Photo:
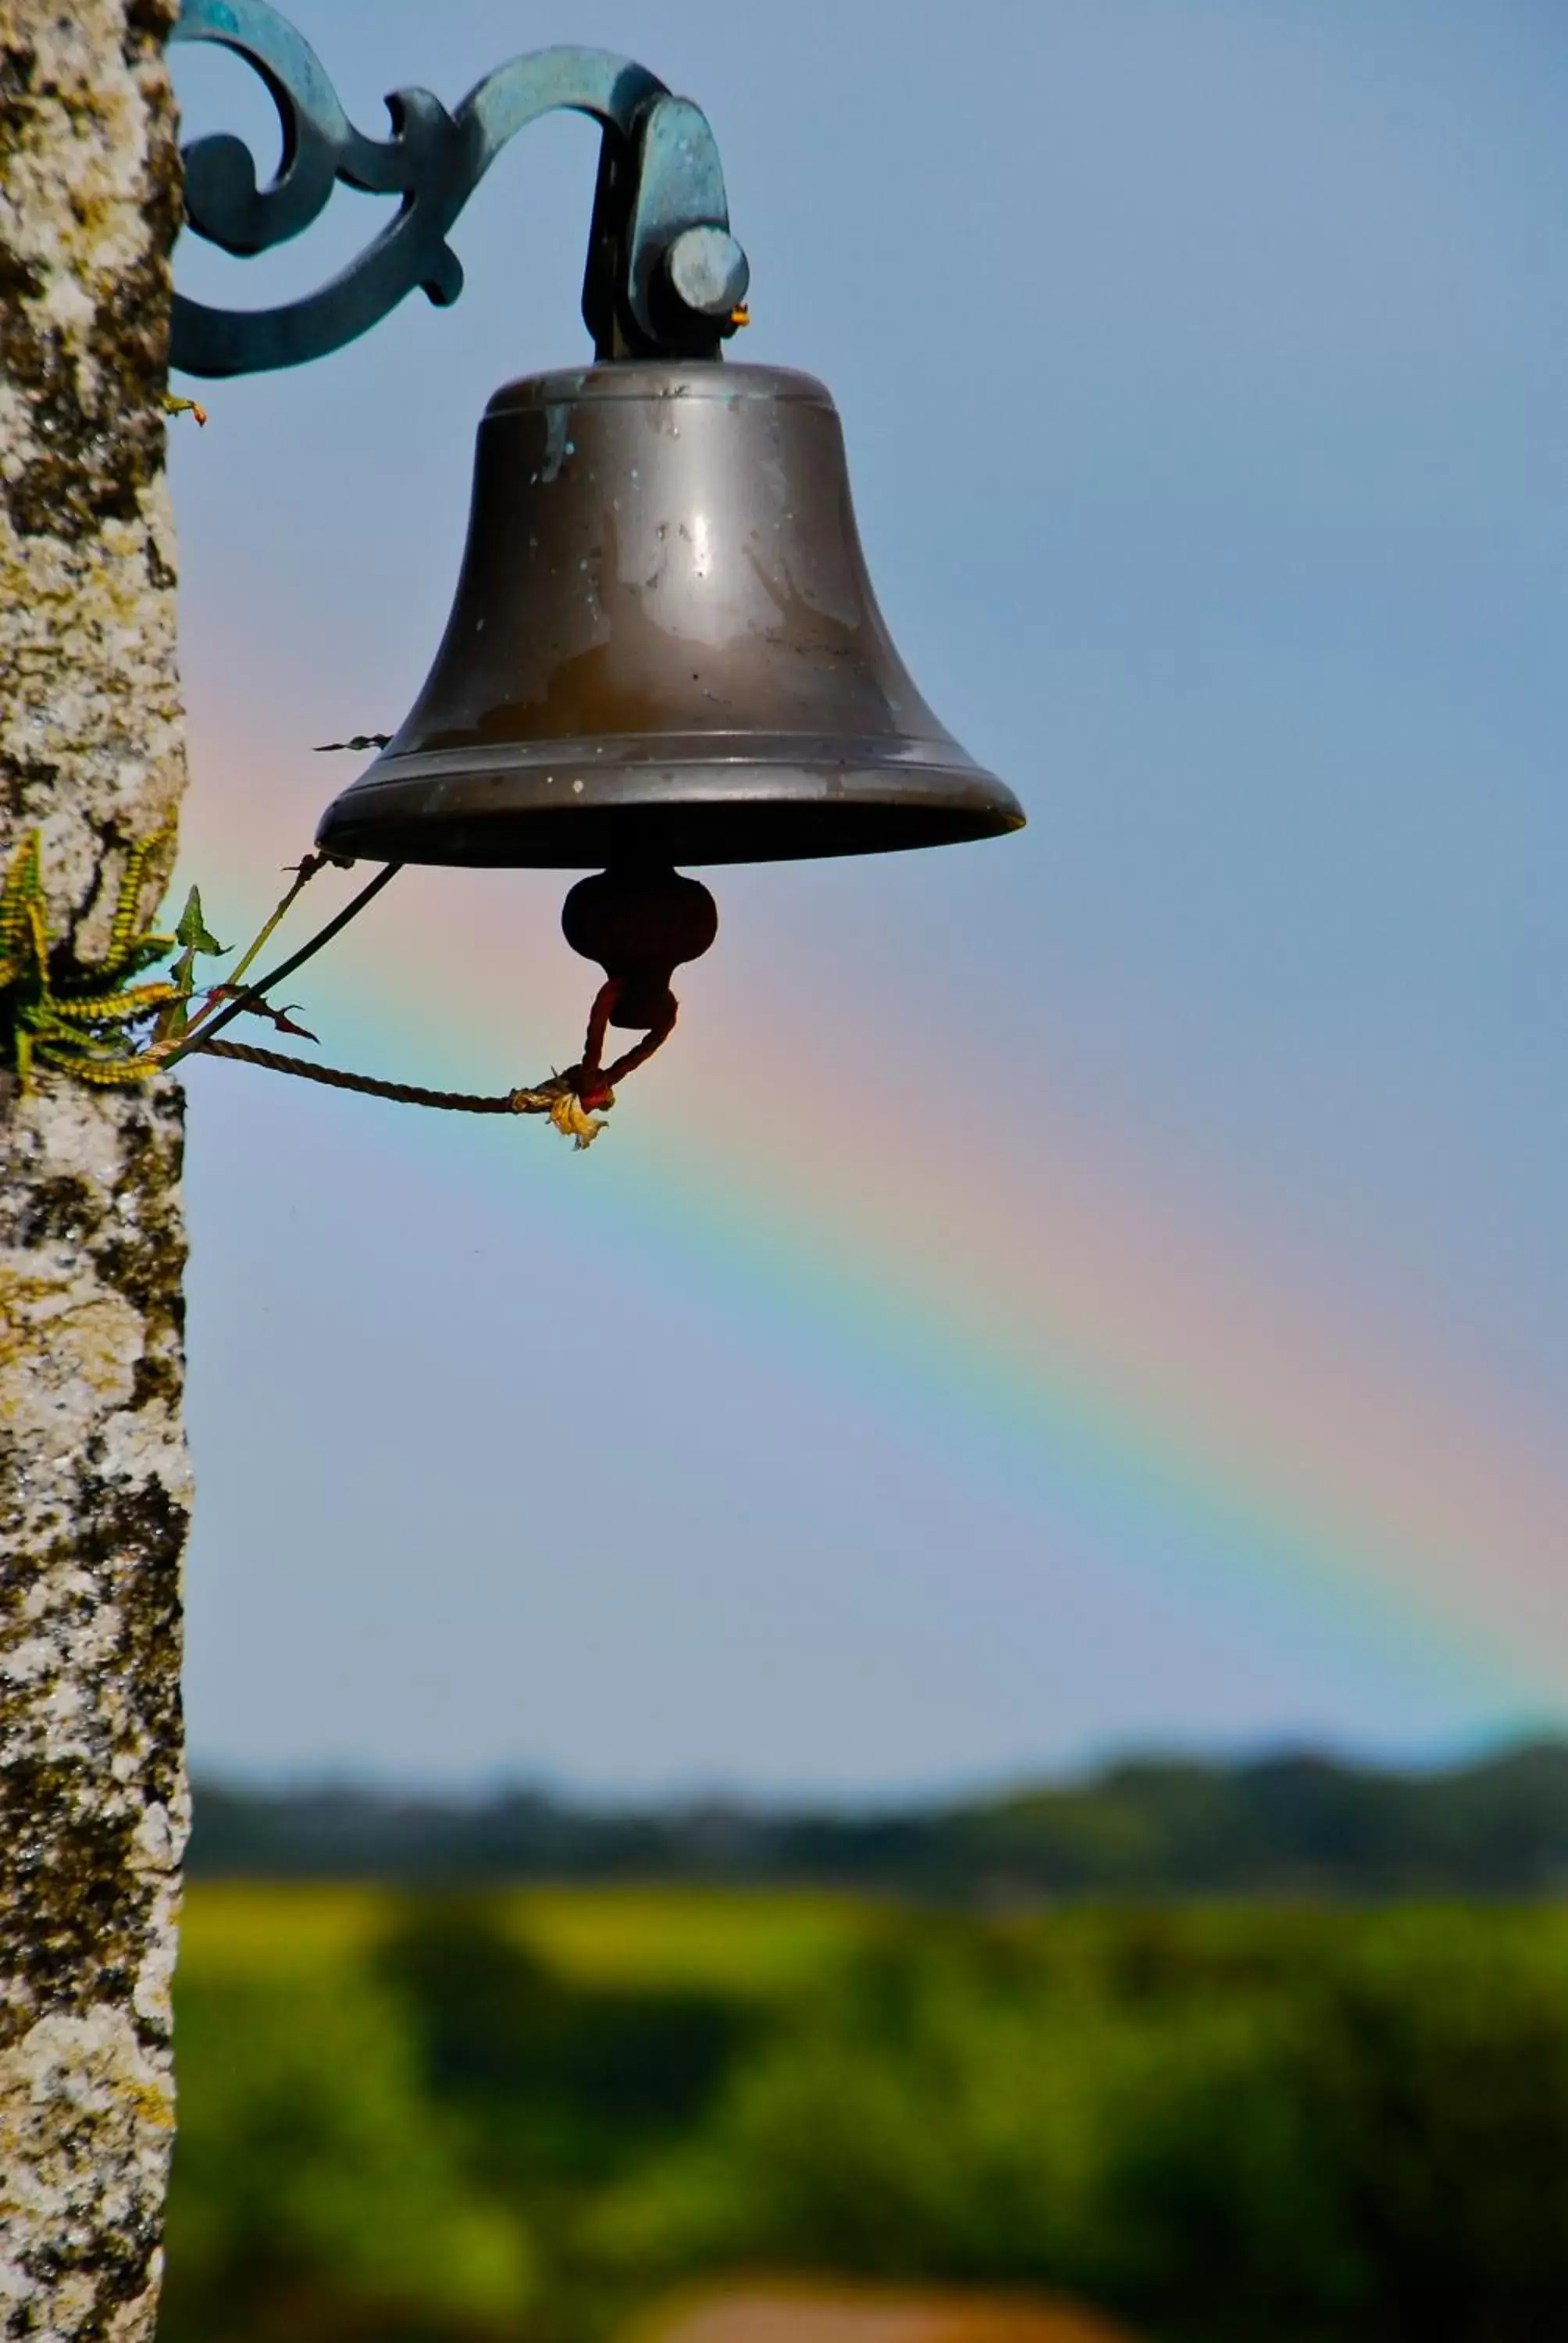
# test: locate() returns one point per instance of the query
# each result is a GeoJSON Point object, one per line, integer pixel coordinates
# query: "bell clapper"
{"type": "Point", "coordinates": [640, 922]}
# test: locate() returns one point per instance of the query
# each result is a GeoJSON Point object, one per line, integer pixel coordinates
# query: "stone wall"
{"type": "Point", "coordinates": [94, 1481]}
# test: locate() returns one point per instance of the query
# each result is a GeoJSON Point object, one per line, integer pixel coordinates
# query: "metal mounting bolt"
{"type": "Point", "coordinates": [707, 270]}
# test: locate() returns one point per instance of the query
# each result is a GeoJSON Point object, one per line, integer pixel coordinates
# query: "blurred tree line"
{"type": "Point", "coordinates": [1219, 2121]}
{"type": "Point", "coordinates": [1288, 1824]}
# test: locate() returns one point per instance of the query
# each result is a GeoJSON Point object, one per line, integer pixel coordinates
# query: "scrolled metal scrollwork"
{"type": "Point", "coordinates": [433, 161]}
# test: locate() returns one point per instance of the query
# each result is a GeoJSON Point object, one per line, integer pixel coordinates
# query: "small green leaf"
{"type": "Point", "coordinates": [192, 930]}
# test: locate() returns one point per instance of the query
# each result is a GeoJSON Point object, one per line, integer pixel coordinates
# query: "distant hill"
{"type": "Point", "coordinates": [1288, 1824]}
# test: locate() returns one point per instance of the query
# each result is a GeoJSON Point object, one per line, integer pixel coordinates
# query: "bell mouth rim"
{"type": "Point", "coordinates": [552, 810]}
{"type": "Point", "coordinates": [568, 841]}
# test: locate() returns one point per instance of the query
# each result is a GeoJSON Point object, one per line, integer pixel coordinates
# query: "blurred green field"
{"type": "Point", "coordinates": [726, 1940]}
{"type": "Point", "coordinates": [533, 2114]}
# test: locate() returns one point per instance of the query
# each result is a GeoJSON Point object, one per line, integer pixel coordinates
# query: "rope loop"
{"type": "Point", "coordinates": [593, 1083]}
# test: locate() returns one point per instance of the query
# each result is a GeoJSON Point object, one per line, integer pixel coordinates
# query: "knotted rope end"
{"type": "Point", "coordinates": [572, 1118]}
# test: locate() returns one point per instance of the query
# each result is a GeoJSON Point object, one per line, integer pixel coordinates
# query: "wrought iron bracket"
{"type": "Point", "coordinates": [664, 276]}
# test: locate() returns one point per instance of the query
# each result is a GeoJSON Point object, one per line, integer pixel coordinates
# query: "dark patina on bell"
{"type": "Point", "coordinates": [665, 647]}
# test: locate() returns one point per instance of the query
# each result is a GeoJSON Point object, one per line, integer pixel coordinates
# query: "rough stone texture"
{"type": "Point", "coordinates": [93, 1489]}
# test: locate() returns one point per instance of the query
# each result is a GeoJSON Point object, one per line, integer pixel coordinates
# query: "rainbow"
{"type": "Point", "coordinates": [992, 1273]}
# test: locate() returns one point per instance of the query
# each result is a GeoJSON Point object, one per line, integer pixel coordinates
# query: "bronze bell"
{"type": "Point", "coordinates": [665, 647]}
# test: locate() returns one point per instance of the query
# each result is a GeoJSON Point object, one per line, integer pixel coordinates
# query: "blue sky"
{"type": "Point", "coordinates": [1204, 370]}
